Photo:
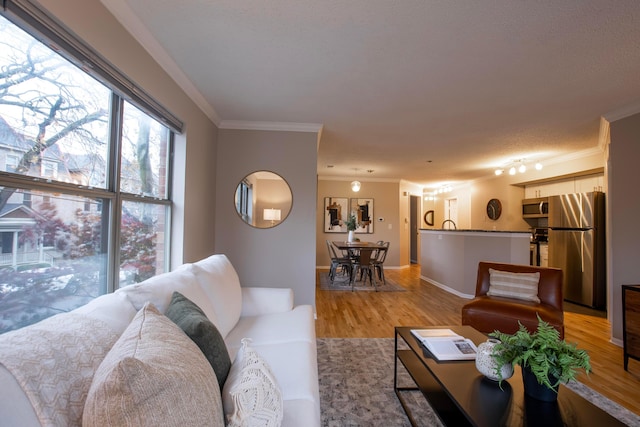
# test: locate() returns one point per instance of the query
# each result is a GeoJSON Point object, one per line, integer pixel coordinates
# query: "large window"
{"type": "Point", "coordinates": [84, 195]}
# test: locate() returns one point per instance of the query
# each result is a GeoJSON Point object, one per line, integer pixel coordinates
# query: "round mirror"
{"type": "Point", "coordinates": [263, 199]}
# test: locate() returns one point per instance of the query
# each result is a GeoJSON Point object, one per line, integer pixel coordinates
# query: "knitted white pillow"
{"type": "Point", "coordinates": [251, 395]}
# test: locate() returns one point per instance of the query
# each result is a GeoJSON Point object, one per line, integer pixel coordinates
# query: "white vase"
{"type": "Point", "coordinates": [486, 364]}
{"type": "Point", "coordinates": [350, 237]}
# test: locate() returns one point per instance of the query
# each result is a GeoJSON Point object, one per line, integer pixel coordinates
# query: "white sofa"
{"type": "Point", "coordinates": [46, 368]}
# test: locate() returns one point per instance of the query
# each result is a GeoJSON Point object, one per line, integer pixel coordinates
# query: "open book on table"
{"type": "Point", "coordinates": [444, 344]}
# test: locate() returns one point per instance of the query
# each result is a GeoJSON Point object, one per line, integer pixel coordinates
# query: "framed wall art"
{"type": "Point", "coordinates": [336, 210]}
{"type": "Point", "coordinates": [363, 208]}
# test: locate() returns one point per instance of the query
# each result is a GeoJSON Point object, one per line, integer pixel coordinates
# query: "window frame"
{"type": "Point", "coordinates": [46, 29]}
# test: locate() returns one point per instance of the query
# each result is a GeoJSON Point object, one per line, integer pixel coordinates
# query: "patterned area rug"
{"type": "Point", "coordinates": [341, 283]}
{"type": "Point", "coordinates": [356, 387]}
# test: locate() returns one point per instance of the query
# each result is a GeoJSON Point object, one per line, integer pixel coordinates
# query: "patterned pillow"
{"type": "Point", "coordinates": [153, 375]}
{"type": "Point", "coordinates": [251, 396]}
{"type": "Point", "coordinates": [522, 286]}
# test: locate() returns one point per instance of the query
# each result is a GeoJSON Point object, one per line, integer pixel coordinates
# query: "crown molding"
{"type": "Point", "coordinates": [573, 156]}
{"type": "Point", "coordinates": [272, 126]}
{"type": "Point", "coordinates": [621, 113]}
{"type": "Point", "coordinates": [130, 21]}
{"type": "Point", "coordinates": [359, 178]}
{"type": "Point", "coordinates": [604, 136]}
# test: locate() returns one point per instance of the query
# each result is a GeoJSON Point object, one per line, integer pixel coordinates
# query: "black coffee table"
{"type": "Point", "coordinates": [460, 395]}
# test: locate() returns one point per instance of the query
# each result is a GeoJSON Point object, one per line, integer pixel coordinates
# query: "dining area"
{"type": "Point", "coordinates": [357, 264]}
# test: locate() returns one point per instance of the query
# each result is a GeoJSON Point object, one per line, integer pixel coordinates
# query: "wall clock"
{"type": "Point", "coordinates": [494, 209]}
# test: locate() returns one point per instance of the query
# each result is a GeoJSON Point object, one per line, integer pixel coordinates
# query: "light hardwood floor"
{"type": "Point", "coordinates": [374, 315]}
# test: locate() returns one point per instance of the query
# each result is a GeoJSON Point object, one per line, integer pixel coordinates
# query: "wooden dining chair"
{"type": "Point", "coordinates": [364, 266]}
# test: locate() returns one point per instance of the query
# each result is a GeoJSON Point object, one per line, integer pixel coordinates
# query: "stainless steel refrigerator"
{"type": "Point", "coordinates": [577, 246]}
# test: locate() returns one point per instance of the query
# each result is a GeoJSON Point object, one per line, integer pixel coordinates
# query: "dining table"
{"type": "Point", "coordinates": [353, 249]}
{"type": "Point", "coordinates": [343, 245]}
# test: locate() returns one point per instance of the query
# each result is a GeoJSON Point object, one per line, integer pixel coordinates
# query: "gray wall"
{"type": "Point", "coordinates": [285, 255]}
{"type": "Point", "coordinates": [195, 150]}
{"type": "Point", "coordinates": [623, 209]}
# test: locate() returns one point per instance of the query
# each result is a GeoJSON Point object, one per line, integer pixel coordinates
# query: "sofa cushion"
{"type": "Point", "coordinates": [251, 395]}
{"type": "Point", "coordinates": [523, 286]}
{"type": "Point", "coordinates": [294, 365]}
{"type": "Point", "coordinates": [153, 375]}
{"type": "Point", "coordinates": [115, 310]}
{"type": "Point", "coordinates": [186, 314]}
{"type": "Point", "coordinates": [158, 290]}
{"type": "Point", "coordinates": [276, 328]}
{"type": "Point", "coordinates": [488, 314]}
{"type": "Point", "coordinates": [221, 284]}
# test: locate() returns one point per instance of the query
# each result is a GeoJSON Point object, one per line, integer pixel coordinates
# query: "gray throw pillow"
{"type": "Point", "coordinates": [192, 320]}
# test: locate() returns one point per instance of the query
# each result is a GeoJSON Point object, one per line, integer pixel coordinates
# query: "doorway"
{"type": "Point", "coordinates": [414, 221]}
{"type": "Point", "coordinates": [451, 212]}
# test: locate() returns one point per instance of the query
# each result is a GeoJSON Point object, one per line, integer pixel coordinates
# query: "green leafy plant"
{"type": "Point", "coordinates": [552, 360]}
{"type": "Point", "coordinates": [351, 222]}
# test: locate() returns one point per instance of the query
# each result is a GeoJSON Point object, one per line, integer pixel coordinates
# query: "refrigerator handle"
{"type": "Point", "coordinates": [582, 252]}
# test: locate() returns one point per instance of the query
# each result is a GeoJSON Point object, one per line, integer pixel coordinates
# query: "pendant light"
{"type": "Point", "coordinates": [355, 184]}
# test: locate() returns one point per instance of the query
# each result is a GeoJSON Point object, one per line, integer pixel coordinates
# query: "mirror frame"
{"type": "Point", "coordinates": [283, 206]}
{"type": "Point", "coordinates": [494, 209]}
{"type": "Point", "coordinates": [428, 217]}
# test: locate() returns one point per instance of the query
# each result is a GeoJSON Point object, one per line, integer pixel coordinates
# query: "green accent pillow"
{"type": "Point", "coordinates": [192, 320]}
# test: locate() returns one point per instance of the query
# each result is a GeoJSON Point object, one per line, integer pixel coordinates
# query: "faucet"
{"type": "Point", "coordinates": [451, 221]}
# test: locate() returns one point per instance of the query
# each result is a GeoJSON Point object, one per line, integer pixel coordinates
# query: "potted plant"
{"type": "Point", "coordinates": [546, 360]}
{"type": "Point", "coordinates": [352, 224]}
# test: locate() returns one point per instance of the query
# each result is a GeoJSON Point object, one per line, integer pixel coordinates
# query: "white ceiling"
{"type": "Point", "coordinates": [424, 90]}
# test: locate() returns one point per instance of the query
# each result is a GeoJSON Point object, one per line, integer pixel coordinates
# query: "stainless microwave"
{"type": "Point", "coordinates": [535, 208]}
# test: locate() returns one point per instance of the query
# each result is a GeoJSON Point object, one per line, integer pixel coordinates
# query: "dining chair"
{"type": "Point", "coordinates": [364, 266]}
{"type": "Point", "coordinates": [378, 262]}
{"type": "Point", "coordinates": [337, 262]}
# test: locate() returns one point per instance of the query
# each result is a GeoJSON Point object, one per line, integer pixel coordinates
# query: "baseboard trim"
{"type": "Point", "coordinates": [447, 288]}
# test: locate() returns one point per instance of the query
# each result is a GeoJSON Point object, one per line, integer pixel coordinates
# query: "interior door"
{"type": "Point", "coordinates": [451, 210]}
{"type": "Point", "coordinates": [415, 221]}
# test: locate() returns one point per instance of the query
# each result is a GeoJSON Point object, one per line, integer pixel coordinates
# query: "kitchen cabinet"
{"type": "Point", "coordinates": [550, 188]}
{"type": "Point", "coordinates": [631, 322]}
{"type": "Point", "coordinates": [583, 184]}
{"type": "Point", "coordinates": [590, 183]}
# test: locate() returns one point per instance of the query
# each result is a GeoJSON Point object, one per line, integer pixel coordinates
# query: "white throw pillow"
{"type": "Point", "coordinates": [154, 375]}
{"type": "Point", "coordinates": [220, 282]}
{"type": "Point", "coordinates": [251, 395]}
{"type": "Point", "coordinates": [506, 284]}
{"type": "Point", "coordinates": [159, 289]}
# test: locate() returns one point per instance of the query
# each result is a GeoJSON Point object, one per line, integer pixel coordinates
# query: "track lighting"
{"type": "Point", "coordinates": [516, 166]}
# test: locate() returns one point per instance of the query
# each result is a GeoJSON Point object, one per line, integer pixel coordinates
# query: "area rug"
{"type": "Point", "coordinates": [356, 387]}
{"type": "Point", "coordinates": [341, 283]}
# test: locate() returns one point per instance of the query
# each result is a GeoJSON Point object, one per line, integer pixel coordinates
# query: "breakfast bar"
{"type": "Point", "coordinates": [449, 258]}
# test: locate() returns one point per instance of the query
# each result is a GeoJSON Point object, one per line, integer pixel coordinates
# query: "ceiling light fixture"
{"type": "Point", "coordinates": [516, 166]}
{"type": "Point", "coordinates": [355, 184]}
{"type": "Point", "coordinates": [432, 195]}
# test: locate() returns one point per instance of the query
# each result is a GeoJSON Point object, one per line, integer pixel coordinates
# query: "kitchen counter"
{"type": "Point", "coordinates": [471, 230]}
{"type": "Point", "coordinates": [449, 258]}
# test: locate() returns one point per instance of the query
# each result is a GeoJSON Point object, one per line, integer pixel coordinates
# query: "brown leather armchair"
{"type": "Point", "coordinates": [489, 313]}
